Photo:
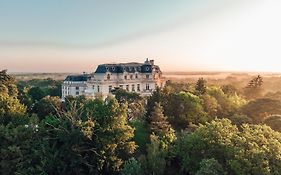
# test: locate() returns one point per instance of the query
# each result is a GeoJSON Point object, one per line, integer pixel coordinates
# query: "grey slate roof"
{"type": "Point", "coordinates": [124, 67]}
{"type": "Point", "coordinates": [83, 77]}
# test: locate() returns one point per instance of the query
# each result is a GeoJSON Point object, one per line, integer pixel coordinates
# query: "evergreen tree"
{"type": "Point", "coordinates": [200, 86]}
{"type": "Point", "coordinates": [160, 126]}
{"type": "Point", "coordinates": [254, 88]}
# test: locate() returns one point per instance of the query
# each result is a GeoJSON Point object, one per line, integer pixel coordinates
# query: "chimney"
{"type": "Point", "coordinates": [152, 62]}
{"type": "Point", "coordinates": [146, 61]}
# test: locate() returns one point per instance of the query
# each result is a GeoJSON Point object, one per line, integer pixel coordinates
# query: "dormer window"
{"type": "Point", "coordinates": [113, 68]}
{"type": "Point", "coordinates": [130, 69]}
{"type": "Point", "coordinates": [107, 68]}
{"type": "Point", "coordinates": [147, 68]}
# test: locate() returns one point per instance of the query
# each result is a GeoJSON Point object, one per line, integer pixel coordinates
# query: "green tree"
{"type": "Point", "coordinates": [47, 106]}
{"type": "Point", "coordinates": [156, 97]}
{"type": "Point", "coordinates": [136, 104]}
{"type": "Point", "coordinates": [10, 106]}
{"type": "Point", "coordinates": [23, 96]}
{"type": "Point", "coordinates": [18, 147]}
{"type": "Point", "coordinates": [113, 135]}
{"type": "Point", "coordinates": [274, 121]}
{"type": "Point", "coordinates": [132, 167]}
{"type": "Point", "coordinates": [239, 119]}
{"type": "Point", "coordinates": [254, 88]}
{"type": "Point", "coordinates": [258, 109]}
{"type": "Point", "coordinates": [229, 89]}
{"type": "Point", "coordinates": [184, 108]}
{"type": "Point", "coordinates": [7, 83]}
{"type": "Point", "coordinates": [200, 86]}
{"type": "Point", "coordinates": [210, 105]}
{"type": "Point", "coordinates": [228, 105]}
{"type": "Point", "coordinates": [160, 126]}
{"type": "Point", "coordinates": [154, 162]}
{"type": "Point", "coordinates": [36, 93]}
{"type": "Point", "coordinates": [252, 149]}
{"type": "Point", "coordinates": [210, 167]}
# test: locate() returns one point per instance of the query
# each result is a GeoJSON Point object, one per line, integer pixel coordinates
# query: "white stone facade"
{"type": "Point", "coordinates": [141, 78]}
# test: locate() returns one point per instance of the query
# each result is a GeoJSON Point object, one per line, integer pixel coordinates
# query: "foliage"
{"type": "Point", "coordinates": [160, 126]}
{"type": "Point", "coordinates": [229, 89]}
{"type": "Point", "coordinates": [113, 135]}
{"type": "Point", "coordinates": [10, 106]}
{"type": "Point", "coordinates": [24, 97]}
{"type": "Point", "coordinates": [254, 149]}
{"type": "Point", "coordinates": [36, 93]}
{"type": "Point", "coordinates": [7, 83]}
{"type": "Point", "coordinates": [210, 167]}
{"type": "Point", "coordinates": [200, 87]}
{"type": "Point", "coordinates": [154, 162]}
{"type": "Point", "coordinates": [258, 109]}
{"type": "Point", "coordinates": [239, 119]}
{"type": "Point", "coordinates": [254, 88]}
{"type": "Point", "coordinates": [210, 105]}
{"type": "Point", "coordinates": [184, 108]}
{"type": "Point", "coordinates": [132, 167]}
{"type": "Point", "coordinates": [47, 106]}
{"type": "Point", "coordinates": [141, 134]}
{"type": "Point", "coordinates": [18, 148]}
{"type": "Point", "coordinates": [156, 97]}
{"type": "Point", "coordinates": [228, 105]}
{"type": "Point", "coordinates": [136, 108]}
{"type": "Point", "coordinates": [274, 121]}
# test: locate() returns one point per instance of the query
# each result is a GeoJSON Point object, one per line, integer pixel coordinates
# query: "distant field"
{"type": "Point", "coordinates": [215, 75]}
{"type": "Point", "coordinates": [168, 75]}
{"type": "Point", "coordinates": [30, 76]}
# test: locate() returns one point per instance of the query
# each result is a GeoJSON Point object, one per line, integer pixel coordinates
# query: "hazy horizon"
{"type": "Point", "coordinates": [186, 36]}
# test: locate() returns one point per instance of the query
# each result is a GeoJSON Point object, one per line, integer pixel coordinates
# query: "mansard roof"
{"type": "Point", "coordinates": [125, 67]}
{"type": "Point", "coordinates": [83, 77]}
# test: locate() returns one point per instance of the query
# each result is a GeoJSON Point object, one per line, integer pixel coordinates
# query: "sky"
{"type": "Point", "coordinates": [181, 35]}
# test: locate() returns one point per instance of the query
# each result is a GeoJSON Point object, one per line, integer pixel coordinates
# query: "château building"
{"type": "Point", "coordinates": [142, 78]}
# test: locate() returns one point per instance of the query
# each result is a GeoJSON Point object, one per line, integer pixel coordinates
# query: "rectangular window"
{"type": "Point", "coordinates": [127, 87]}
{"type": "Point", "coordinates": [136, 76]}
{"type": "Point", "coordinates": [138, 87]}
{"type": "Point", "coordinates": [121, 86]}
{"type": "Point", "coordinates": [109, 88]}
{"type": "Point", "coordinates": [125, 77]}
{"type": "Point", "coordinates": [131, 77]}
{"type": "Point", "coordinates": [133, 87]}
{"type": "Point", "coordinates": [147, 76]}
{"type": "Point", "coordinates": [98, 88]}
{"type": "Point", "coordinates": [93, 87]}
{"type": "Point", "coordinates": [77, 93]}
{"type": "Point", "coordinates": [147, 87]}
{"type": "Point", "coordinates": [77, 88]}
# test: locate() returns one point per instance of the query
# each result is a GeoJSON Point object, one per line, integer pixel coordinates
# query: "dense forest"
{"type": "Point", "coordinates": [185, 128]}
